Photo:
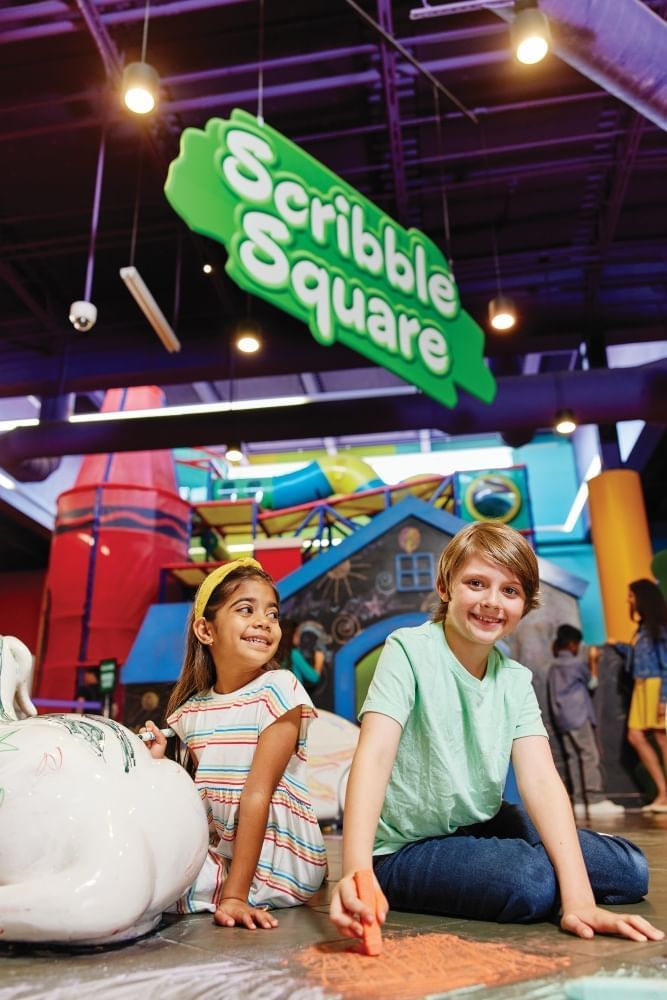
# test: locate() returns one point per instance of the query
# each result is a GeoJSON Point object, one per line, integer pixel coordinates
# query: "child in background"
{"type": "Point", "coordinates": [294, 659]}
{"type": "Point", "coordinates": [444, 713]}
{"type": "Point", "coordinates": [244, 725]}
{"type": "Point", "coordinates": [570, 682]}
{"type": "Point", "coordinates": [646, 658]}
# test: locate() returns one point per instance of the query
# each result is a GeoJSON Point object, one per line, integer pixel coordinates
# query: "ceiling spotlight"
{"type": "Point", "coordinates": [529, 32]}
{"type": "Point", "coordinates": [207, 268]}
{"type": "Point", "coordinates": [140, 88]}
{"type": "Point", "coordinates": [502, 313]}
{"type": "Point", "coordinates": [248, 335]}
{"type": "Point", "coordinates": [248, 343]}
{"type": "Point", "coordinates": [234, 454]}
{"type": "Point", "coordinates": [565, 422]}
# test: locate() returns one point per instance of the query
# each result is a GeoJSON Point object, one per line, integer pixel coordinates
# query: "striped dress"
{"type": "Point", "coordinates": [222, 730]}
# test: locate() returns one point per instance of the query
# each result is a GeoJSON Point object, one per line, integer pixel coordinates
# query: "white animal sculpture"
{"type": "Point", "coordinates": [96, 837]}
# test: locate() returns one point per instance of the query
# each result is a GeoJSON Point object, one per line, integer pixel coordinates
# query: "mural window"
{"type": "Point", "coordinates": [415, 571]}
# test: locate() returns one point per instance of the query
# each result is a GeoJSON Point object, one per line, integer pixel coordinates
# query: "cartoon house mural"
{"type": "Point", "coordinates": [381, 578]}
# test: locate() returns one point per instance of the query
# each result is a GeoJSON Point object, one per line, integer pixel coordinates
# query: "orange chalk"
{"type": "Point", "coordinates": [372, 940]}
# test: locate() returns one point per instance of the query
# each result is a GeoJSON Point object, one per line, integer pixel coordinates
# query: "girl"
{"type": "Point", "coordinates": [244, 726]}
{"type": "Point", "coordinates": [647, 660]}
{"type": "Point", "coordinates": [444, 712]}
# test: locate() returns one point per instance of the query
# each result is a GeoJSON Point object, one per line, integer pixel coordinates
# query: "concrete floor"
{"type": "Point", "coordinates": [190, 958]}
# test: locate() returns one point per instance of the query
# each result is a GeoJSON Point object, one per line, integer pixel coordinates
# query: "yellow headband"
{"type": "Point", "coordinates": [207, 587]}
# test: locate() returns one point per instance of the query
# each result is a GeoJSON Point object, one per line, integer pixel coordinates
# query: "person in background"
{"type": "Point", "coordinates": [88, 690]}
{"type": "Point", "coordinates": [570, 681]}
{"type": "Point", "coordinates": [646, 659]}
{"type": "Point", "coordinates": [292, 657]}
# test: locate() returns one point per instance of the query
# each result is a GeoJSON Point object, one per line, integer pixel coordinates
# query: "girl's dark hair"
{"type": "Point", "coordinates": [288, 627]}
{"type": "Point", "coordinates": [198, 671]}
{"type": "Point", "coordinates": [650, 606]}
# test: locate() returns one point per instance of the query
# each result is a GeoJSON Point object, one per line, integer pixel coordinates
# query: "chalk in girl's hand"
{"type": "Point", "coordinates": [147, 737]}
{"type": "Point", "coordinates": [371, 943]}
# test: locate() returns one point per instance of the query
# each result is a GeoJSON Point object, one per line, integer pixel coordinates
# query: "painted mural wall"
{"type": "Point", "coordinates": [392, 575]}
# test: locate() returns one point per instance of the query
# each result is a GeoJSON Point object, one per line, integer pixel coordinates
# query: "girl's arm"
{"type": "Point", "coordinates": [275, 746]}
{"type": "Point", "coordinates": [549, 808]}
{"type": "Point", "coordinates": [371, 767]}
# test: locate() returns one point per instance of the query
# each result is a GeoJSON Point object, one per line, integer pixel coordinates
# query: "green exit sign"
{"type": "Point", "coordinates": [107, 670]}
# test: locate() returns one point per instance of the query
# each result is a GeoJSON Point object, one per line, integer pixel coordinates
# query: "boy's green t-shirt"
{"type": "Point", "coordinates": [455, 748]}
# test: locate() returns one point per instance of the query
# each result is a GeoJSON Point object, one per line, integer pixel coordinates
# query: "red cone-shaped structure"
{"type": "Point", "coordinates": [119, 525]}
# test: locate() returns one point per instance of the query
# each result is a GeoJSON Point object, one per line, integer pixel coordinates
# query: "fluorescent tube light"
{"type": "Point", "coordinates": [10, 425]}
{"type": "Point", "coordinates": [150, 308]}
{"type": "Point", "coordinates": [578, 503]}
{"type": "Point", "coordinates": [187, 408]}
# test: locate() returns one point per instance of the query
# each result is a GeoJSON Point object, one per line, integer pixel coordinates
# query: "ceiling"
{"type": "Point", "coordinates": [563, 178]}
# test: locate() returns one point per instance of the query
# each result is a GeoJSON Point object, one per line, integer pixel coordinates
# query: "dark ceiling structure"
{"type": "Point", "coordinates": [557, 171]}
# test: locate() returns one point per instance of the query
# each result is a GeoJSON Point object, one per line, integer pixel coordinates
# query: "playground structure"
{"type": "Point", "coordinates": [335, 495]}
{"type": "Point", "coordinates": [327, 499]}
{"type": "Point", "coordinates": [123, 539]}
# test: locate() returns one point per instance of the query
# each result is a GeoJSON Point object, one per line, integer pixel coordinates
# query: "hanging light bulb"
{"type": "Point", "coordinates": [234, 454]}
{"type": "Point", "coordinates": [248, 336]}
{"type": "Point", "coordinates": [502, 313]}
{"type": "Point", "coordinates": [140, 88]}
{"type": "Point", "coordinates": [530, 33]}
{"type": "Point", "coordinates": [248, 343]}
{"type": "Point", "coordinates": [565, 422]}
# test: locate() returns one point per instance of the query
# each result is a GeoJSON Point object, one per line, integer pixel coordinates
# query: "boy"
{"type": "Point", "coordinates": [444, 713]}
{"type": "Point", "coordinates": [570, 682]}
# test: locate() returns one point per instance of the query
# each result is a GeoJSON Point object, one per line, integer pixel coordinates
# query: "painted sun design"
{"type": "Point", "coordinates": [339, 579]}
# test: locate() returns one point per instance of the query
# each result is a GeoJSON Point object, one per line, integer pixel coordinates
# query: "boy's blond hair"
{"type": "Point", "coordinates": [498, 543]}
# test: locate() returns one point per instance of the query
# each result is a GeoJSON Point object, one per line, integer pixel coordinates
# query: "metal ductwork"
{"type": "Point", "coordinates": [599, 396]}
{"type": "Point", "coordinates": [35, 469]}
{"type": "Point", "coordinates": [620, 45]}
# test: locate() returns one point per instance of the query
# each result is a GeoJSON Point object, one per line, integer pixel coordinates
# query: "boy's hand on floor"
{"type": "Point", "coordinates": [231, 912]}
{"type": "Point", "coordinates": [348, 912]}
{"type": "Point", "coordinates": [587, 921]}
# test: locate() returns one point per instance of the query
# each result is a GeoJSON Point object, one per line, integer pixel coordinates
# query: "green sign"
{"type": "Point", "coordinates": [301, 238]}
{"type": "Point", "coordinates": [107, 675]}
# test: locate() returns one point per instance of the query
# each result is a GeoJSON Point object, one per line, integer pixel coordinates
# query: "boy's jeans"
{"type": "Point", "coordinates": [499, 870]}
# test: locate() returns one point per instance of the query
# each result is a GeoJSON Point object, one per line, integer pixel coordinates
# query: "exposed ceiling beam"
{"type": "Point", "coordinates": [389, 86]}
{"type": "Point", "coordinates": [623, 53]}
{"type": "Point", "coordinates": [529, 402]}
{"type": "Point", "coordinates": [90, 368]}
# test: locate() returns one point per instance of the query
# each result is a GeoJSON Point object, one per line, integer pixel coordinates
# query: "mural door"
{"type": "Point", "coordinates": [355, 663]}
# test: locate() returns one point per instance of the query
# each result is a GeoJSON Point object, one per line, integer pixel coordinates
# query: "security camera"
{"type": "Point", "coordinates": [82, 315]}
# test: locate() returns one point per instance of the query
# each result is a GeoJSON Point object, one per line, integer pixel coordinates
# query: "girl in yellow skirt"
{"type": "Point", "coordinates": [647, 658]}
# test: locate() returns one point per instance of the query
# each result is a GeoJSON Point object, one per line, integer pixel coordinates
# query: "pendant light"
{"type": "Point", "coordinates": [530, 32]}
{"type": "Point", "coordinates": [141, 82]}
